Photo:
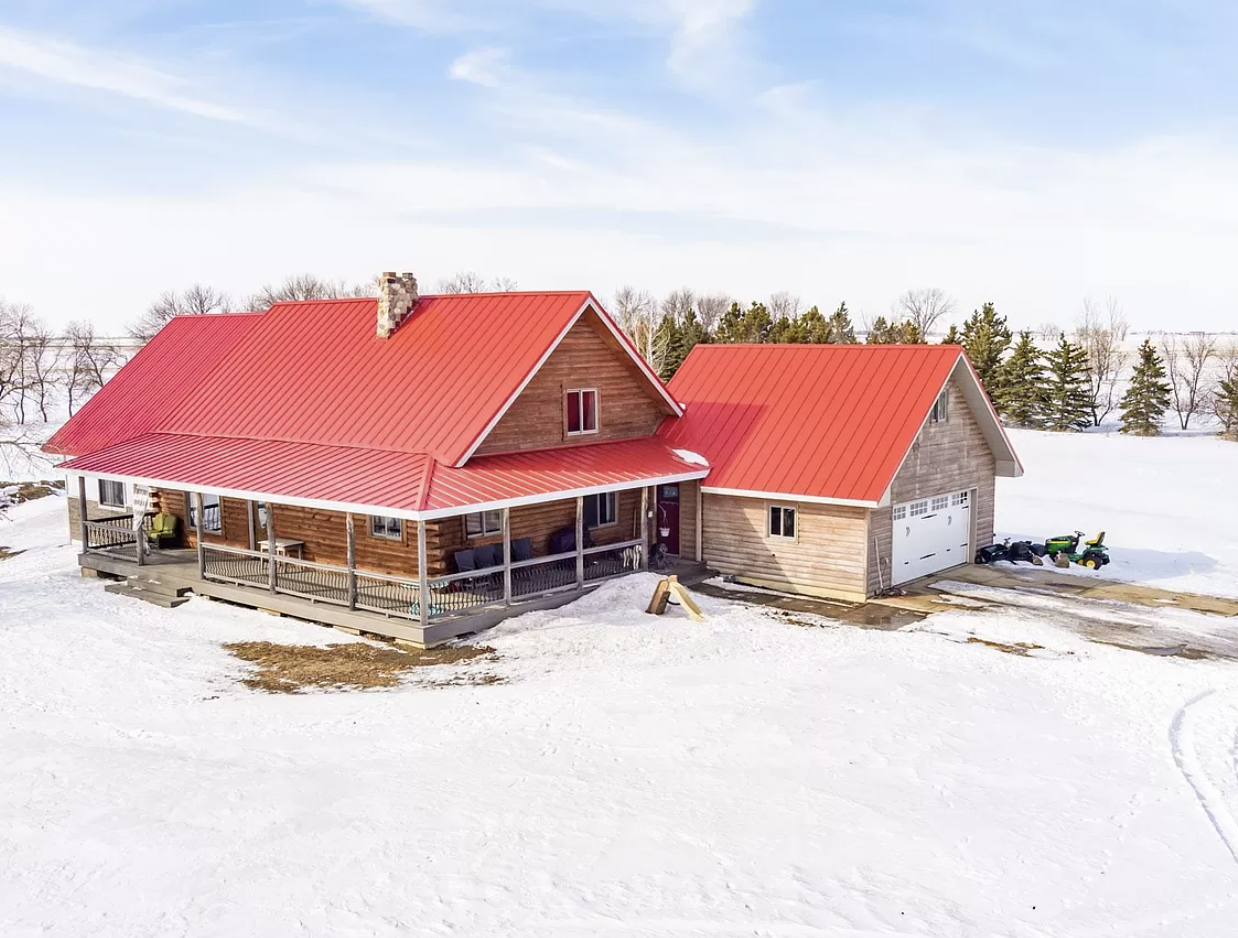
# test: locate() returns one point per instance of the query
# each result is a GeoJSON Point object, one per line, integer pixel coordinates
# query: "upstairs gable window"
{"type": "Point", "coordinates": [582, 411]}
{"type": "Point", "coordinates": [941, 409]}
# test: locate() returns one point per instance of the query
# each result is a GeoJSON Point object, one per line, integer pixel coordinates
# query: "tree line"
{"type": "Point", "coordinates": [1077, 380]}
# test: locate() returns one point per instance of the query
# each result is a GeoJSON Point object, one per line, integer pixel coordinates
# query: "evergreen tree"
{"type": "Point", "coordinates": [787, 330]}
{"type": "Point", "coordinates": [676, 339]}
{"type": "Point", "coordinates": [1068, 397]}
{"type": "Point", "coordinates": [986, 337]}
{"type": "Point", "coordinates": [1226, 406]}
{"type": "Point", "coordinates": [840, 330]}
{"type": "Point", "coordinates": [1147, 399]}
{"type": "Point", "coordinates": [952, 337]}
{"type": "Point", "coordinates": [1022, 401]}
{"type": "Point", "coordinates": [814, 327]}
{"type": "Point", "coordinates": [884, 332]}
{"type": "Point", "coordinates": [880, 332]}
{"type": "Point", "coordinates": [745, 325]}
{"type": "Point", "coordinates": [730, 325]}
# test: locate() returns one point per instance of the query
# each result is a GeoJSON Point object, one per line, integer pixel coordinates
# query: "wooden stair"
{"type": "Point", "coordinates": [151, 588]}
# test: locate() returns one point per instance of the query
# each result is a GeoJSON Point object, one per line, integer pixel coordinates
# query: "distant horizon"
{"type": "Point", "coordinates": [1026, 154]}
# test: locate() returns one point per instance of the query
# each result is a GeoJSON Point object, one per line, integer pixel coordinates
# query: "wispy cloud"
{"type": "Point", "coordinates": [480, 66]}
{"type": "Point", "coordinates": [108, 71]}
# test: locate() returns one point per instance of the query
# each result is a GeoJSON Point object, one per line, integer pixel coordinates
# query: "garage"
{"type": "Point", "coordinates": [931, 534]}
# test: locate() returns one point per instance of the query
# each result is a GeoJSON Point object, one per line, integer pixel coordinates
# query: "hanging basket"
{"type": "Point", "coordinates": [664, 532]}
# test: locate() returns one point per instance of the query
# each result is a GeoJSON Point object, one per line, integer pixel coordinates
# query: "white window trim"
{"type": "Point", "coordinates": [597, 410]}
{"type": "Point", "coordinates": [485, 531]}
{"type": "Point", "coordinates": [385, 534]}
{"type": "Point", "coordinates": [608, 495]}
{"type": "Point", "coordinates": [124, 495]}
{"type": "Point", "coordinates": [782, 537]}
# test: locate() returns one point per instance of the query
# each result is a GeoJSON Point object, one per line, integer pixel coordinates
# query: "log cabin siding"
{"type": "Point", "coordinates": [687, 519]}
{"type": "Point", "coordinates": [946, 457]}
{"type": "Point", "coordinates": [827, 557]}
{"type": "Point", "coordinates": [588, 357]}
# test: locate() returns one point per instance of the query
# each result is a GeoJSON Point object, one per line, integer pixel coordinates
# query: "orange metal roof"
{"type": "Point", "coordinates": [817, 421]}
{"type": "Point", "coordinates": [159, 377]}
{"type": "Point", "coordinates": [408, 484]}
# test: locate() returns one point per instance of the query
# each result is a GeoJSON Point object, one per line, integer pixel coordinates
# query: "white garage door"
{"type": "Point", "coordinates": [931, 535]}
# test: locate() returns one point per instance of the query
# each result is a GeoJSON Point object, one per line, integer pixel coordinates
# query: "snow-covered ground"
{"type": "Point", "coordinates": [1168, 505]}
{"type": "Point", "coordinates": [632, 775]}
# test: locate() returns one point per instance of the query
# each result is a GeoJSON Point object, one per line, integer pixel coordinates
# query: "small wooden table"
{"type": "Point", "coordinates": [284, 547]}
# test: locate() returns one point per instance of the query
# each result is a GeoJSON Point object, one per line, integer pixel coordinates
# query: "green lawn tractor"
{"type": "Point", "coordinates": [1064, 550]}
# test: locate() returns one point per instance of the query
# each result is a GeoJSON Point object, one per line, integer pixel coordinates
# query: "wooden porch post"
{"type": "Point", "coordinates": [507, 556]}
{"type": "Point", "coordinates": [700, 522]}
{"type": "Point", "coordinates": [271, 571]}
{"type": "Point", "coordinates": [197, 514]}
{"type": "Point", "coordinates": [83, 529]}
{"type": "Point", "coordinates": [644, 527]}
{"type": "Point", "coordinates": [352, 560]}
{"type": "Point", "coordinates": [580, 542]}
{"type": "Point", "coordinates": [423, 582]}
{"type": "Point", "coordinates": [139, 529]}
{"type": "Point", "coordinates": [251, 522]}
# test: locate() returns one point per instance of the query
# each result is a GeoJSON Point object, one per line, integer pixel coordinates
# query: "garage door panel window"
{"type": "Point", "coordinates": [941, 502]}
{"type": "Point", "coordinates": [900, 513]}
{"type": "Point", "coordinates": [919, 508]}
{"type": "Point", "coordinates": [959, 500]}
{"type": "Point", "coordinates": [930, 535]}
{"type": "Point", "coordinates": [782, 522]}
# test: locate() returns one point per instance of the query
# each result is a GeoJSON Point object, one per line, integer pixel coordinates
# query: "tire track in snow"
{"type": "Point", "coordinates": [1182, 739]}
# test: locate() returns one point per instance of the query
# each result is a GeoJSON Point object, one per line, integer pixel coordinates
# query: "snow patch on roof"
{"type": "Point", "coordinates": [691, 458]}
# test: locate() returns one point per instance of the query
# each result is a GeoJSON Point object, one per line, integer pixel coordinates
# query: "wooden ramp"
{"type": "Point", "coordinates": [668, 587]}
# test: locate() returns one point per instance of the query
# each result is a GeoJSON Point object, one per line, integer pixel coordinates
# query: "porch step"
{"type": "Point", "coordinates": [160, 584]}
{"type": "Point", "coordinates": [163, 600]}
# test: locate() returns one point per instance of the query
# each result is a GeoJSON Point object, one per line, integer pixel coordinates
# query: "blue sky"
{"type": "Point", "coordinates": [1032, 153]}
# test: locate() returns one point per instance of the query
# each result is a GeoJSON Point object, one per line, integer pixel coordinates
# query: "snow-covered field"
{"type": "Point", "coordinates": [1168, 505]}
{"type": "Point", "coordinates": [632, 775]}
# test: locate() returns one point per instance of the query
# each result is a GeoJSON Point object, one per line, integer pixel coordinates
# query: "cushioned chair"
{"type": "Point", "coordinates": [522, 550]}
{"type": "Point", "coordinates": [466, 560]}
{"type": "Point", "coordinates": [489, 555]}
{"type": "Point", "coordinates": [162, 531]}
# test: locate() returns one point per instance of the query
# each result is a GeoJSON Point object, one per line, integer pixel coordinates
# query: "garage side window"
{"type": "Point", "coordinates": [782, 521]}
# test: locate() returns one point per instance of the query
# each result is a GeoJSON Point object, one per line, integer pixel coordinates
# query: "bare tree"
{"type": "Point", "coordinates": [923, 308]}
{"type": "Point", "coordinates": [40, 360]}
{"type": "Point", "coordinates": [783, 304]}
{"type": "Point", "coordinates": [91, 361]}
{"type": "Point", "coordinates": [1048, 333]}
{"type": "Point", "coordinates": [196, 300]}
{"type": "Point", "coordinates": [11, 317]}
{"type": "Point", "coordinates": [1186, 363]}
{"type": "Point", "coordinates": [301, 287]}
{"type": "Point", "coordinates": [469, 281]}
{"type": "Point", "coordinates": [679, 303]}
{"type": "Point", "coordinates": [710, 309]}
{"type": "Point", "coordinates": [1102, 333]}
{"type": "Point", "coordinates": [632, 309]}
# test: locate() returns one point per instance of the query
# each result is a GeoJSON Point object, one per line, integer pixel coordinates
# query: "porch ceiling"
{"type": "Point", "coordinates": [407, 485]}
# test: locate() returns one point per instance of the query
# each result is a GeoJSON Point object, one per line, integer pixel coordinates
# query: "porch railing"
{"type": "Point", "coordinates": [114, 535]}
{"type": "Point", "coordinates": [399, 596]}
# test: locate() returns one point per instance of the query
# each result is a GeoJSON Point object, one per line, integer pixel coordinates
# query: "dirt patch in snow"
{"type": "Point", "coordinates": [289, 669]}
{"type": "Point", "coordinates": [5, 553]}
{"type": "Point", "coordinates": [1022, 649]}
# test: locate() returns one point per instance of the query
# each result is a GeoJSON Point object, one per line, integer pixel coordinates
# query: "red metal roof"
{"type": "Point", "coordinates": [403, 483]}
{"type": "Point", "coordinates": [315, 372]}
{"type": "Point", "coordinates": [158, 378]}
{"type": "Point", "coordinates": [817, 421]}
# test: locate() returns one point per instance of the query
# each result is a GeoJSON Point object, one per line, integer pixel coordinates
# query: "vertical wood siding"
{"type": "Point", "coordinates": [586, 358]}
{"type": "Point", "coordinates": [827, 558]}
{"type": "Point", "coordinates": [946, 457]}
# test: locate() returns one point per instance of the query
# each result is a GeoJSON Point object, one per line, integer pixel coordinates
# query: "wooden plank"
{"type": "Point", "coordinates": [82, 513]}
{"type": "Point", "coordinates": [251, 522]}
{"type": "Point", "coordinates": [197, 508]}
{"type": "Point", "coordinates": [644, 527]}
{"type": "Point", "coordinates": [580, 542]}
{"type": "Point", "coordinates": [351, 559]}
{"type": "Point", "coordinates": [507, 556]}
{"type": "Point", "coordinates": [272, 565]}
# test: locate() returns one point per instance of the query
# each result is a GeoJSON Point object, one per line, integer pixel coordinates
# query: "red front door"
{"type": "Point", "coordinates": [668, 517]}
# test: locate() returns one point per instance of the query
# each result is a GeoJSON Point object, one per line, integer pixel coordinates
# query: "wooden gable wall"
{"type": "Point", "coordinates": [588, 357]}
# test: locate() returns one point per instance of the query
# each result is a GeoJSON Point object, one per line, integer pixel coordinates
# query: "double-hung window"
{"type": "Point", "coordinates": [389, 529]}
{"type": "Point", "coordinates": [111, 493]}
{"type": "Point", "coordinates": [483, 523]}
{"type": "Point", "coordinates": [782, 521]}
{"type": "Point", "coordinates": [581, 412]}
{"type": "Point", "coordinates": [601, 510]}
{"type": "Point", "coordinates": [212, 517]}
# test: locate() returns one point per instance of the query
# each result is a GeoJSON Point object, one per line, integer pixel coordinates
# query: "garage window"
{"type": "Point", "coordinates": [941, 503]}
{"type": "Point", "coordinates": [782, 521]}
{"type": "Point", "coordinates": [900, 513]}
{"type": "Point", "coordinates": [959, 499]}
{"type": "Point", "coordinates": [919, 508]}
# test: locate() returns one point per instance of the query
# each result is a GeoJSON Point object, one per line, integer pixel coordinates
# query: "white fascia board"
{"type": "Point", "coordinates": [786, 497]}
{"type": "Point", "coordinates": [619, 337]}
{"type": "Point", "coordinates": [563, 495]}
{"type": "Point", "coordinates": [406, 514]}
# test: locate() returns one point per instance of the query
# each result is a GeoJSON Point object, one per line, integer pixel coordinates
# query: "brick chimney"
{"type": "Point", "coordinates": [397, 295]}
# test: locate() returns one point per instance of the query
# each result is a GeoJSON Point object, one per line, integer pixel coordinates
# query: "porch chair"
{"type": "Point", "coordinates": [162, 530]}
